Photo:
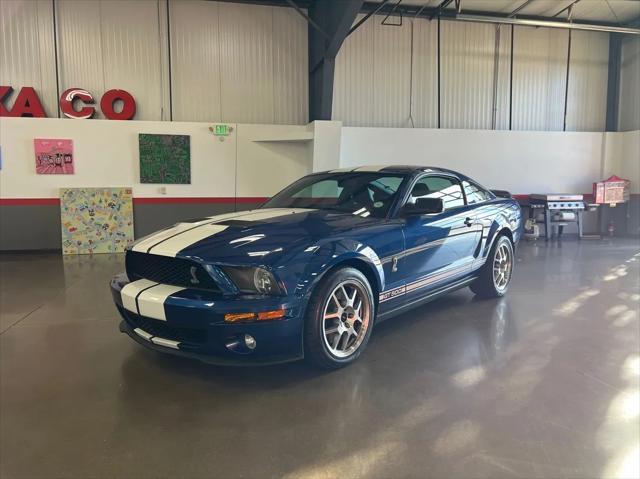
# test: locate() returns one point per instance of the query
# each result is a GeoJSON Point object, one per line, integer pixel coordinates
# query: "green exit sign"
{"type": "Point", "coordinates": [222, 130]}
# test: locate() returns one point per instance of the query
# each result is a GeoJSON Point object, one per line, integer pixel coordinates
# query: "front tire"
{"type": "Point", "coordinates": [495, 276]}
{"type": "Point", "coordinates": [339, 320]}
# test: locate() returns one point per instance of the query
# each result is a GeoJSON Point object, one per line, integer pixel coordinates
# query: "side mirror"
{"type": "Point", "coordinates": [501, 193]}
{"type": "Point", "coordinates": [424, 206]}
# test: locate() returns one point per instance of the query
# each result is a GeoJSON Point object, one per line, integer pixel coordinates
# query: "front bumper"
{"type": "Point", "coordinates": [193, 326]}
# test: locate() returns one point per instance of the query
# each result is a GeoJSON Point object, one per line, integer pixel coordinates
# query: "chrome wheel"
{"type": "Point", "coordinates": [502, 266]}
{"type": "Point", "coordinates": [346, 317]}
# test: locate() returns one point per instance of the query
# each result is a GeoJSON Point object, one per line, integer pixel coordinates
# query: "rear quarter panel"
{"type": "Point", "coordinates": [496, 216]}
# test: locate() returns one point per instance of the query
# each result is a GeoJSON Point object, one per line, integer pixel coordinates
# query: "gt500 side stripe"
{"type": "Point", "coordinates": [427, 280]}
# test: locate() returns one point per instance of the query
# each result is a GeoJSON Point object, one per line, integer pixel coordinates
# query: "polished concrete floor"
{"type": "Point", "coordinates": [543, 383]}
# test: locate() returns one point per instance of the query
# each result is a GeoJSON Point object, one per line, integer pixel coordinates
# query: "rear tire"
{"type": "Point", "coordinates": [495, 276]}
{"type": "Point", "coordinates": [339, 319]}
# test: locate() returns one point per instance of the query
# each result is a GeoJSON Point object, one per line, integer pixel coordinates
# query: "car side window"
{"type": "Point", "coordinates": [443, 187]}
{"type": "Point", "coordinates": [474, 193]}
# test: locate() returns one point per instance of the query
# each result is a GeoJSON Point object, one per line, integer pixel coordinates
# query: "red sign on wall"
{"type": "Point", "coordinates": [74, 103]}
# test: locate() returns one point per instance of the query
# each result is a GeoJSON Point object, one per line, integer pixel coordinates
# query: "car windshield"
{"type": "Point", "coordinates": [359, 193]}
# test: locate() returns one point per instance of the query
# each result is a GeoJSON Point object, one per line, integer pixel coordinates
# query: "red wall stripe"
{"type": "Point", "coordinates": [139, 201]}
{"type": "Point", "coordinates": [192, 200]}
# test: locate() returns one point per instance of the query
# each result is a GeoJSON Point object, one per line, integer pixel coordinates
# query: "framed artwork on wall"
{"type": "Point", "coordinates": [53, 156]}
{"type": "Point", "coordinates": [165, 159]}
{"type": "Point", "coordinates": [96, 220]}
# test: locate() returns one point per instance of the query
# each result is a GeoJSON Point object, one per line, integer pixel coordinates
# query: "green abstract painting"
{"type": "Point", "coordinates": [165, 159]}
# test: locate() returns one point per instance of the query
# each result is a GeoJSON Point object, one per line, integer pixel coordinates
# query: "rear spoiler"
{"type": "Point", "coordinates": [501, 193]}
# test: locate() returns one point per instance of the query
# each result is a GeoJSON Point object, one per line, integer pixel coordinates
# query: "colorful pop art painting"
{"type": "Point", "coordinates": [165, 159]}
{"type": "Point", "coordinates": [53, 156]}
{"type": "Point", "coordinates": [96, 220]}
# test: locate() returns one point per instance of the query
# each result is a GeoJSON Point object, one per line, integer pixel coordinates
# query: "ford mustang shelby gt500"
{"type": "Point", "coordinates": [311, 271]}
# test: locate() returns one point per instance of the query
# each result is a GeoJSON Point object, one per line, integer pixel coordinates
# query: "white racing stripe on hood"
{"type": "Point", "coordinates": [151, 301]}
{"type": "Point", "coordinates": [147, 243]}
{"type": "Point", "coordinates": [153, 239]}
{"type": "Point", "coordinates": [166, 245]}
{"type": "Point", "coordinates": [172, 246]}
{"type": "Point", "coordinates": [131, 290]}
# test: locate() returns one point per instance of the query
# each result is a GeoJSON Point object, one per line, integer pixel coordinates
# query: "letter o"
{"type": "Point", "coordinates": [128, 105]}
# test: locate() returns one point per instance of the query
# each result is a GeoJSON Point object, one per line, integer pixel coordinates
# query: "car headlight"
{"type": "Point", "coordinates": [249, 279]}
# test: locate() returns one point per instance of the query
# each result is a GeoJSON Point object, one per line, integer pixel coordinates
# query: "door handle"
{"type": "Point", "coordinates": [468, 221]}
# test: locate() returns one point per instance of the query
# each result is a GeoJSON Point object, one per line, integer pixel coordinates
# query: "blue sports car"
{"type": "Point", "coordinates": [311, 271]}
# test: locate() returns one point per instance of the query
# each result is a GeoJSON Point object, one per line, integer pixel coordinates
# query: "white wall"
{"type": "Point", "coordinates": [521, 162]}
{"type": "Point", "coordinates": [623, 157]}
{"type": "Point", "coordinates": [229, 62]}
{"type": "Point", "coordinates": [388, 76]}
{"type": "Point", "coordinates": [106, 154]}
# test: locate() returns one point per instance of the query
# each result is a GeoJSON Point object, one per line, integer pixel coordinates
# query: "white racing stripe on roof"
{"type": "Point", "coordinates": [172, 246]}
{"type": "Point", "coordinates": [151, 301]}
{"type": "Point", "coordinates": [131, 290]}
{"type": "Point", "coordinates": [371, 168]}
{"type": "Point", "coordinates": [259, 215]}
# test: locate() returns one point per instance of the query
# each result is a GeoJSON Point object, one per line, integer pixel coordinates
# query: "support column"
{"type": "Point", "coordinates": [329, 25]}
{"type": "Point", "coordinates": [613, 84]}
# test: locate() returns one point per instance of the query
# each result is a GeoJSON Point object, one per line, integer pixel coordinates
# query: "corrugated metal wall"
{"type": "Point", "coordinates": [539, 78]}
{"type": "Point", "coordinates": [26, 50]}
{"type": "Point", "coordinates": [110, 44]}
{"type": "Point", "coordinates": [588, 78]}
{"type": "Point", "coordinates": [381, 55]}
{"type": "Point", "coordinates": [467, 58]}
{"type": "Point", "coordinates": [630, 85]}
{"type": "Point", "coordinates": [229, 62]}
{"type": "Point", "coordinates": [424, 107]}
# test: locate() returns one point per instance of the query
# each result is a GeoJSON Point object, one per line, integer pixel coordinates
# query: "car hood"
{"type": "Point", "coordinates": [249, 237]}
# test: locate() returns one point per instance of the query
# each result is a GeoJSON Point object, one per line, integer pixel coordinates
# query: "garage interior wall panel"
{"type": "Point", "coordinates": [132, 57]}
{"type": "Point", "coordinates": [240, 63]}
{"type": "Point", "coordinates": [630, 84]}
{"type": "Point", "coordinates": [290, 67]}
{"type": "Point", "coordinates": [195, 60]}
{"type": "Point", "coordinates": [467, 71]}
{"type": "Point", "coordinates": [229, 62]}
{"type": "Point", "coordinates": [80, 59]}
{"type": "Point", "coordinates": [539, 78]}
{"type": "Point", "coordinates": [373, 75]}
{"type": "Point", "coordinates": [391, 74]}
{"type": "Point", "coordinates": [112, 44]}
{"type": "Point", "coordinates": [27, 50]}
{"type": "Point", "coordinates": [246, 63]}
{"type": "Point", "coordinates": [424, 109]}
{"type": "Point", "coordinates": [588, 76]}
{"type": "Point", "coordinates": [353, 85]}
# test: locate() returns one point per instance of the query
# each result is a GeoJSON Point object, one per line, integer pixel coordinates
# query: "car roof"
{"type": "Point", "coordinates": [400, 169]}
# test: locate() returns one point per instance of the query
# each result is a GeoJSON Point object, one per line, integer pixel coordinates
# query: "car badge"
{"type": "Point", "coordinates": [194, 276]}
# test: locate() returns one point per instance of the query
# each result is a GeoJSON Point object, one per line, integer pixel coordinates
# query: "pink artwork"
{"type": "Point", "coordinates": [53, 157]}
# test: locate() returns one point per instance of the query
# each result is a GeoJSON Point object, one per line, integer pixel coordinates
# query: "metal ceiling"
{"type": "Point", "coordinates": [620, 12]}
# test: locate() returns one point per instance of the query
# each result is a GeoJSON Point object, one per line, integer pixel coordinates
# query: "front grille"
{"type": "Point", "coordinates": [166, 270]}
{"type": "Point", "coordinates": [164, 330]}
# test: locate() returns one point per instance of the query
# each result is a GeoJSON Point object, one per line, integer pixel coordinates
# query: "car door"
{"type": "Point", "coordinates": [440, 247]}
